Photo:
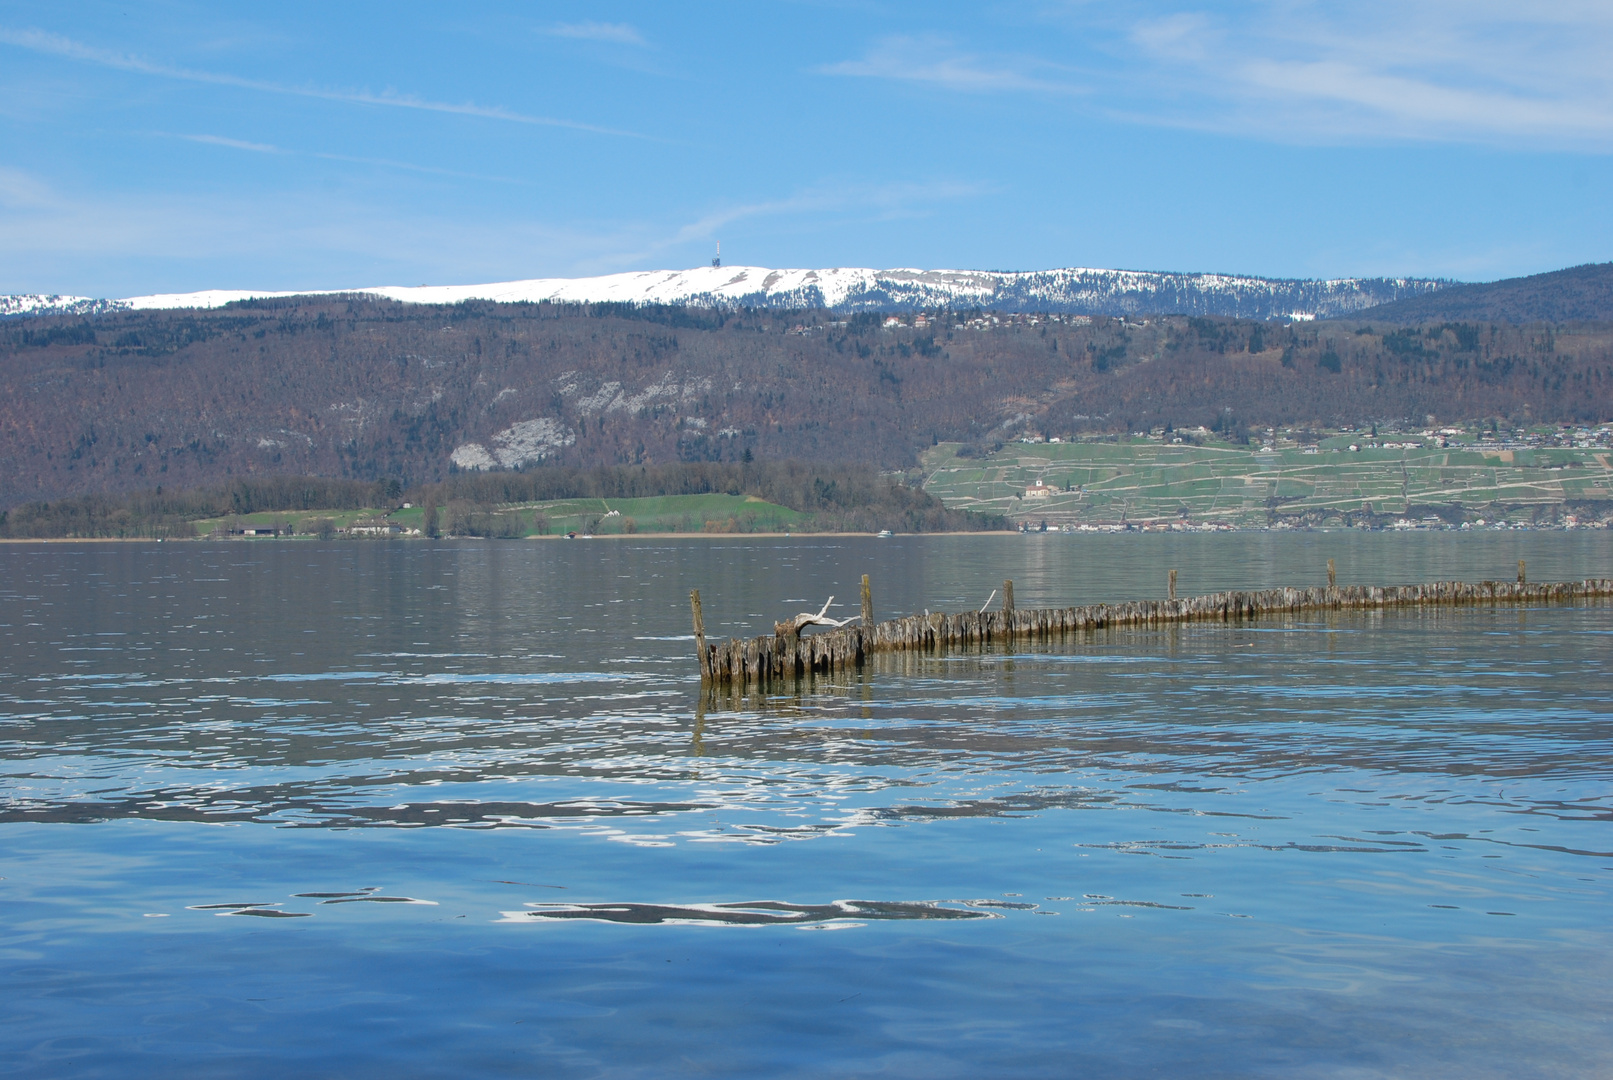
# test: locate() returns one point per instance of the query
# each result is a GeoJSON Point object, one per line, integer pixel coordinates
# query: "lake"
{"type": "Point", "coordinates": [460, 809]}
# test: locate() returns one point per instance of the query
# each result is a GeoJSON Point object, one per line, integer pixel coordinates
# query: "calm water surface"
{"type": "Point", "coordinates": [460, 810]}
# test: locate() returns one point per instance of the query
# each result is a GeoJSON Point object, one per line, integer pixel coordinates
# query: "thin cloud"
{"type": "Point", "coordinates": [1408, 105]}
{"type": "Point", "coordinates": [1438, 70]}
{"type": "Point", "coordinates": [883, 201]}
{"type": "Point", "coordinates": [144, 242]}
{"type": "Point", "coordinates": [611, 33]}
{"type": "Point", "coordinates": [1477, 71]}
{"type": "Point", "coordinates": [266, 148]}
{"type": "Point", "coordinates": [55, 45]}
{"type": "Point", "coordinates": [936, 62]}
{"type": "Point", "coordinates": [22, 191]}
{"type": "Point", "coordinates": [61, 241]}
{"type": "Point", "coordinates": [234, 144]}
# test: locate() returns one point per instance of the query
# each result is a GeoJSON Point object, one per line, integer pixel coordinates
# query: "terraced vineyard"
{"type": "Point", "coordinates": [1142, 481]}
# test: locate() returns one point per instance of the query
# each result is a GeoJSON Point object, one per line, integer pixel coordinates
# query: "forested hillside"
{"type": "Point", "coordinates": [1579, 293]}
{"type": "Point", "coordinates": [375, 390]}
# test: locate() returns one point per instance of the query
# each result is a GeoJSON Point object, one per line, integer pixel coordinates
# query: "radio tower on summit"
{"type": "Point", "coordinates": [717, 259]}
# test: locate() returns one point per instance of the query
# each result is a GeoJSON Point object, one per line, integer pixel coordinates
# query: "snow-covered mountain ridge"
{"type": "Point", "coordinates": [1073, 290]}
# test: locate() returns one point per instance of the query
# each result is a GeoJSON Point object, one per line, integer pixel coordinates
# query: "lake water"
{"type": "Point", "coordinates": [460, 810]}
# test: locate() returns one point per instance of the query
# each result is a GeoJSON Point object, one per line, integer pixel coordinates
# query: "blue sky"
{"type": "Point", "coordinates": [168, 146]}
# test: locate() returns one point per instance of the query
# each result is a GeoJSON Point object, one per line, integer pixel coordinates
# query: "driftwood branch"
{"type": "Point", "coordinates": [807, 618]}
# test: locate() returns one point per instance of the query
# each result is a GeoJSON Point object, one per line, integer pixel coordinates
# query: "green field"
{"type": "Point", "coordinates": [667, 513]}
{"type": "Point", "coordinates": [301, 521]}
{"type": "Point", "coordinates": [1148, 480]}
{"type": "Point", "coordinates": [662, 513]}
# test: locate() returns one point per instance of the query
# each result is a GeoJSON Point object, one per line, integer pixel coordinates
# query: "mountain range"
{"type": "Point", "coordinates": [372, 389]}
{"type": "Point", "coordinates": [848, 290]}
{"type": "Point", "coordinates": [732, 363]}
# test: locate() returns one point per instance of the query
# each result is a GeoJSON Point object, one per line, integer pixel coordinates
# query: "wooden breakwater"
{"type": "Point", "coordinates": [740, 662]}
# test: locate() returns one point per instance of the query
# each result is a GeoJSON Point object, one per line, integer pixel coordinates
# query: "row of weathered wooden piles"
{"type": "Point", "coordinates": [772, 657]}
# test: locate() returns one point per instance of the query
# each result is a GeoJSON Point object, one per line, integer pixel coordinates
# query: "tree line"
{"type": "Point", "coordinates": [838, 498]}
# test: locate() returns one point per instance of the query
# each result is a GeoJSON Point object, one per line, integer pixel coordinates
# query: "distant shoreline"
{"type": "Point", "coordinates": [15, 540]}
{"type": "Point", "coordinates": [501, 539]}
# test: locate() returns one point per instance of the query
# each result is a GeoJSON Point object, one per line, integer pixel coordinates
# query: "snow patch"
{"type": "Point", "coordinates": [12, 307]}
{"type": "Point", "coordinates": [1071, 289]}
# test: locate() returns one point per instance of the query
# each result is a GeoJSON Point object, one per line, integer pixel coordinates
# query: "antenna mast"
{"type": "Point", "coordinates": [718, 260]}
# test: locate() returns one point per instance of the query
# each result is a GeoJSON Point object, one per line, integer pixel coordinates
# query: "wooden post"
{"type": "Point", "coordinates": [1172, 594]}
{"type": "Point", "coordinates": [1008, 610]}
{"type": "Point", "coordinates": [699, 632]}
{"type": "Point", "coordinates": [1522, 577]}
{"type": "Point", "coordinates": [868, 604]}
{"type": "Point", "coordinates": [1332, 575]}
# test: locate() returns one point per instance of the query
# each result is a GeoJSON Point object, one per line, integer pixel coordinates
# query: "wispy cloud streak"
{"type": "Point", "coordinates": [882, 202]}
{"type": "Point", "coordinates": [610, 33]}
{"type": "Point", "coordinates": [40, 41]}
{"type": "Point", "coordinates": [1436, 70]}
{"type": "Point", "coordinates": [1477, 71]}
{"type": "Point", "coordinates": [936, 61]}
{"type": "Point", "coordinates": [63, 241]}
{"type": "Point", "coordinates": [266, 148]}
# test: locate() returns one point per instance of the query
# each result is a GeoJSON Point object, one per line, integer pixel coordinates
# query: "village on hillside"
{"type": "Point", "coordinates": [1453, 477]}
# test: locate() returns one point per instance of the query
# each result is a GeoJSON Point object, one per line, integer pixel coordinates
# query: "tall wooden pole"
{"type": "Point", "coordinates": [699, 634]}
{"type": "Point", "coordinates": [868, 604]}
{"type": "Point", "coordinates": [1172, 594]}
{"type": "Point", "coordinates": [1332, 575]}
{"type": "Point", "coordinates": [1008, 597]}
{"type": "Point", "coordinates": [1523, 579]}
